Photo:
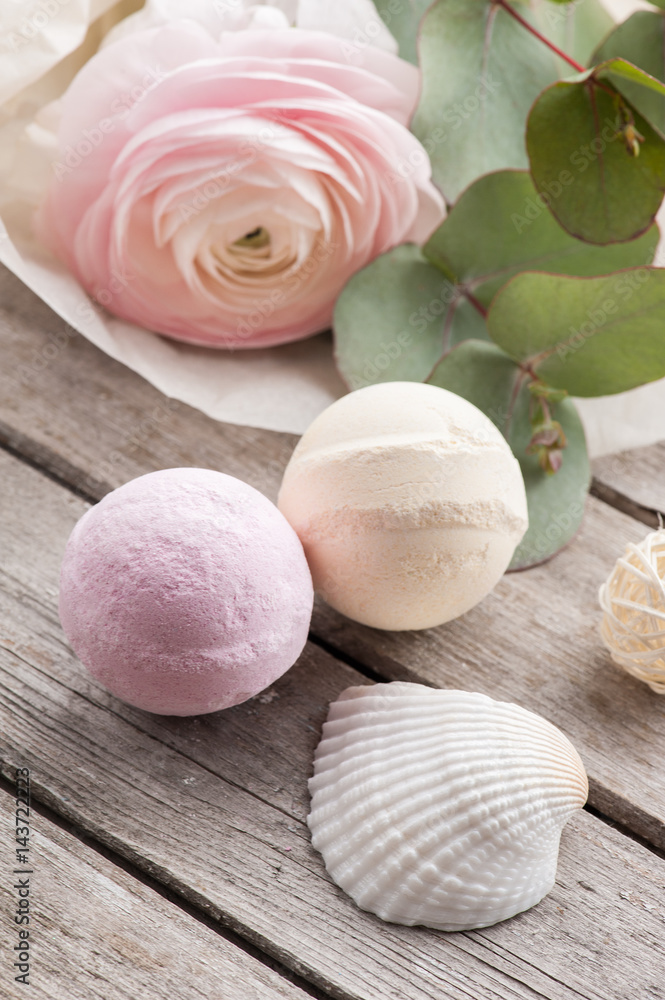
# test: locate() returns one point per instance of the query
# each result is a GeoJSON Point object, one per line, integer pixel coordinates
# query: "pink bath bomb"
{"type": "Point", "coordinates": [185, 591]}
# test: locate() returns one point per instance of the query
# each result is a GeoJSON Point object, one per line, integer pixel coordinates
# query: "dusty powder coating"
{"type": "Point", "coordinates": [185, 591]}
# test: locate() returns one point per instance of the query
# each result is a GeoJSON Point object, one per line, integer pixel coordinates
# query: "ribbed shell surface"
{"type": "Point", "coordinates": [441, 808]}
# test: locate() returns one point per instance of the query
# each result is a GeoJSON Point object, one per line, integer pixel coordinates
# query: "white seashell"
{"type": "Point", "coordinates": [442, 808]}
{"type": "Point", "coordinates": [633, 601]}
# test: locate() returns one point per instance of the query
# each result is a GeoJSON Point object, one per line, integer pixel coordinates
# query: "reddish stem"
{"type": "Point", "coordinates": [475, 303]}
{"type": "Point", "coordinates": [541, 38]}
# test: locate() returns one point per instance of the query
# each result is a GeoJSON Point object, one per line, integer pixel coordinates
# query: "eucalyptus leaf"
{"type": "Point", "coordinates": [575, 139]}
{"type": "Point", "coordinates": [641, 40]}
{"type": "Point", "coordinates": [576, 28]}
{"type": "Point", "coordinates": [396, 317]}
{"type": "Point", "coordinates": [556, 503]}
{"type": "Point", "coordinates": [622, 72]}
{"type": "Point", "coordinates": [501, 226]}
{"type": "Point", "coordinates": [402, 18]}
{"type": "Point", "coordinates": [590, 336]}
{"type": "Point", "coordinates": [481, 72]}
{"type": "Point", "coordinates": [487, 377]}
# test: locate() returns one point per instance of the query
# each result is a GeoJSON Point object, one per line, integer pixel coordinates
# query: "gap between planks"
{"type": "Point", "coordinates": [624, 831]}
{"type": "Point", "coordinates": [651, 516]}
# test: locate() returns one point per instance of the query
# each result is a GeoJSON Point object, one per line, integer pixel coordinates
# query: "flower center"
{"type": "Point", "coordinates": [254, 244]}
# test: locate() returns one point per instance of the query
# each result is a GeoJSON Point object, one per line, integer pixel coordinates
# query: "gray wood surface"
{"type": "Point", "coordinates": [534, 640]}
{"type": "Point", "coordinates": [98, 933]}
{"type": "Point", "coordinates": [637, 475]}
{"type": "Point", "coordinates": [214, 807]}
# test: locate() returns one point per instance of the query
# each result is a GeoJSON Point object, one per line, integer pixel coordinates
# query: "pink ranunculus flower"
{"type": "Point", "coordinates": [223, 191]}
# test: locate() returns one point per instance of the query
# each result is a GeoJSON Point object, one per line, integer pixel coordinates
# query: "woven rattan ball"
{"type": "Point", "coordinates": [633, 599]}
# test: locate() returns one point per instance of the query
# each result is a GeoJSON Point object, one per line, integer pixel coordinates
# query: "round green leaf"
{"type": "Point", "coordinates": [641, 40]}
{"type": "Point", "coordinates": [574, 139]}
{"type": "Point", "coordinates": [485, 376]}
{"type": "Point", "coordinates": [396, 317]}
{"type": "Point", "coordinates": [481, 72]}
{"type": "Point", "coordinates": [501, 226]}
{"type": "Point", "coordinates": [590, 336]}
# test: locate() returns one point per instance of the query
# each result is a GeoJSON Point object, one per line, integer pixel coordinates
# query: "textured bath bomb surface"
{"type": "Point", "coordinates": [185, 591]}
{"type": "Point", "coordinates": [409, 504]}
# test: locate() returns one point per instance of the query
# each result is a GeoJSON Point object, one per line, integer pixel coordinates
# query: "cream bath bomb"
{"type": "Point", "coordinates": [185, 591]}
{"type": "Point", "coordinates": [408, 502]}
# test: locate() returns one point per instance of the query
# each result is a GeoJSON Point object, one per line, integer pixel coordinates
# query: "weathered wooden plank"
{"type": "Point", "coordinates": [638, 476]}
{"type": "Point", "coordinates": [97, 932]}
{"type": "Point", "coordinates": [533, 641]}
{"type": "Point", "coordinates": [214, 808]}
